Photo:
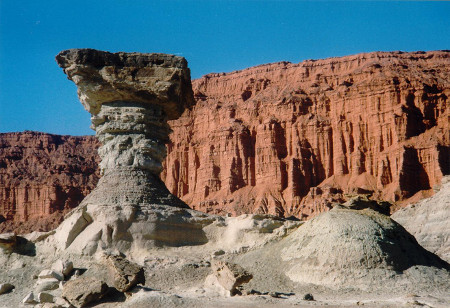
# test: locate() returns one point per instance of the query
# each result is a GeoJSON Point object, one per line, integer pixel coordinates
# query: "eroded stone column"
{"type": "Point", "coordinates": [130, 97]}
{"type": "Point", "coordinates": [133, 135]}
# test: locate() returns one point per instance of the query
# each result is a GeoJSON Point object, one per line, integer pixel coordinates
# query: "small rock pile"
{"type": "Point", "coordinates": [65, 286]}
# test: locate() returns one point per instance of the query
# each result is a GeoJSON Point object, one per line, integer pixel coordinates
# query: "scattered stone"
{"type": "Point", "coordinates": [8, 242]}
{"type": "Point", "coordinates": [84, 290]}
{"type": "Point", "coordinates": [6, 288]}
{"type": "Point", "coordinates": [275, 294]}
{"type": "Point", "coordinates": [64, 267]}
{"type": "Point", "coordinates": [29, 299]}
{"type": "Point", "coordinates": [45, 297]}
{"type": "Point", "coordinates": [124, 274]}
{"type": "Point", "coordinates": [47, 284]}
{"type": "Point", "coordinates": [51, 274]}
{"type": "Point", "coordinates": [308, 297]}
{"type": "Point", "coordinates": [219, 252]}
{"type": "Point", "coordinates": [252, 292]}
{"type": "Point", "coordinates": [230, 276]}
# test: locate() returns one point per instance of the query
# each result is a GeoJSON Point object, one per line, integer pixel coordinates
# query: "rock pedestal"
{"type": "Point", "coordinates": [130, 97]}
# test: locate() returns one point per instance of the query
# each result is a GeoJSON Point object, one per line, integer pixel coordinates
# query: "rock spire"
{"type": "Point", "coordinates": [130, 96]}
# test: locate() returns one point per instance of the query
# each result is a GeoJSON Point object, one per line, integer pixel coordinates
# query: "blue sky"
{"type": "Point", "coordinates": [214, 36]}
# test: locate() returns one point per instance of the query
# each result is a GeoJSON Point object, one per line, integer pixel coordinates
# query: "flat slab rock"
{"type": "Point", "coordinates": [83, 291]}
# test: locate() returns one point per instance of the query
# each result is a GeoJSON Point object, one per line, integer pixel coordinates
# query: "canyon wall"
{"type": "Point", "coordinates": [282, 138]}
{"type": "Point", "coordinates": [42, 176]}
{"type": "Point", "coordinates": [291, 139]}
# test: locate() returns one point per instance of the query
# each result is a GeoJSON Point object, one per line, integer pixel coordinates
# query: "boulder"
{"type": "Point", "coordinates": [29, 299]}
{"type": "Point", "coordinates": [47, 284]}
{"type": "Point", "coordinates": [45, 274]}
{"type": "Point", "coordinates": [230, 276]}
{"type": "Point", "coordinates": [6, 288]}
{"type": "Point", "coordinates": [64, 267]}
{"type": "Point", "coordinates": [44, 297]}
{"type": "Point", "coordinates": [83, 291]}
{"type": "Point", "coordinates": [124, 274]}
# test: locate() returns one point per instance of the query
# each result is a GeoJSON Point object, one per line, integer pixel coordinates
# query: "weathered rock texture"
{"type": "Point", "coordinates": [130, 96]}
{"type": "Point", "coordinates": [83, 291]}
{"type": "Point", "coordinates": [289, 139]}
{"type": "Point", "coordinates": [42, 176]}
{"type": "Point", "coordinates": [429, 221]}
{"type": "Point", "coordinates": [124, 274]}
{"type": "Point", "coordinates": [286, 139]}
{"type": "Point", "coordinates": [345, 247]}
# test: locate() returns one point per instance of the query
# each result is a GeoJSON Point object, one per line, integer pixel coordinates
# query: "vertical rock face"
{"type": "Point", "coordinates": [286, 139]}
{"type": "Point", "coordinates": [42, 176]}
{"type": "Point", "coordinates": [290, 139]}
{"type": "Point", "coordinates": [130, 96]}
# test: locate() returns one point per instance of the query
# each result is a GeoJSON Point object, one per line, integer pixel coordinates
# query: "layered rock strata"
{"type": "Point", "coordinates": [291, 139]}
{"type": "Point", "coordinates": [42, 176]}
{"type": "Point", "coordinates": [130, 96]}
{"type": "Point", "coordinates": [286, 139]}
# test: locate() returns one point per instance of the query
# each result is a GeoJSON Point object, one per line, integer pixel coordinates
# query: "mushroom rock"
{"type": "Point", "coordinates": [130, 97]}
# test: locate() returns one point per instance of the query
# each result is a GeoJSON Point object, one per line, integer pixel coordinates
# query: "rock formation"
{"type": "Point", "coordinates": [42, 176]}
{"type": "Point", "coordinates": [429, 219]}
{"type": "Point", "coordinates": [130, 96]}
{"type": "Point", "coordinates": [345, 248]}
{"type": "Point", "coordinates": [285, 139]}
{"type": "Point", "coordinates": [348, 247]}
{"type": "Point", "coordinates": [131, 233]}
{"type": "Point", "coordinates": [291, 139]}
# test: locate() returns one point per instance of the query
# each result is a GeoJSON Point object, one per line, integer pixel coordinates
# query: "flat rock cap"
{"type": "Point", "coordinates": [150, 78]}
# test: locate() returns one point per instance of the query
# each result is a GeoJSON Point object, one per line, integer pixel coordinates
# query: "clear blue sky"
{"type": "Point", "coordinates": [214, 36]}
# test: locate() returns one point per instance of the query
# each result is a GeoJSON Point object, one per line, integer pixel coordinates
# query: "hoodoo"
{"type": "Point", "coordinates": [130, 97]}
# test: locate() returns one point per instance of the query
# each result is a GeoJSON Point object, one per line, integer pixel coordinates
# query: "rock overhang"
{"type": "Point", "coordinates": [150, 78]}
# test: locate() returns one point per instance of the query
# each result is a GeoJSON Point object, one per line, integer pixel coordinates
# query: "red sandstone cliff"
{"type": "Point", "coordinates": [282, 138]}
{"type": "Point", "coordinates": [262, 139]}
{"type": "Point", "coordinates": [42, 176]}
